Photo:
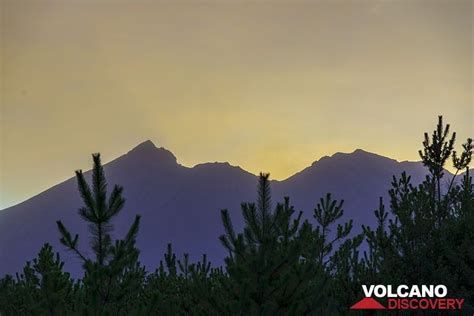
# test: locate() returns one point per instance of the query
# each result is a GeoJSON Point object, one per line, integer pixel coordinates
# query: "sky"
{"type": "Point", "coordinates": [267, 85]}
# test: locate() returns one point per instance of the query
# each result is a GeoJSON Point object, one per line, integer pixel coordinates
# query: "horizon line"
{"type": "Point", "coordinates": [149, 141]}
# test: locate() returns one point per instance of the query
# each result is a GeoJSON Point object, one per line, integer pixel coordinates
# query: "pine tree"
{"type": "Point", "coordinates": [267, 275]}
{"type": "Point", "coordinates": [42, 289]}
{"type": "Point", "coordinates": [179, 287]}
{"type": "Point", "coordinates": [335, 255]}
{"type": "Point", "coordinates": [436, 152]}
{"type": "Point", "coordinates": [456, 248]}
{"type": "Point", "coordinates": [429, 237]}
{"type": "Point", "coordinates": [279, 265]}
{"type": "Point", "coordinates": [114, 277]}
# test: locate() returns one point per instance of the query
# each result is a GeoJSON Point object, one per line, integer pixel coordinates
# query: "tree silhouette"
{"type": "Point", "coordinates": [429, 238]}
{"type": "Point", "coordinates": [267, 275]}
{"type": "Point", "coordinates": [42, 289]}
{"type": "Point", "coordinates": [106, 276]}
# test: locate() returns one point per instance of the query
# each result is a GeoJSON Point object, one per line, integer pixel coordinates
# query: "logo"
{"type": "Point", "coordinates": [404, 297]}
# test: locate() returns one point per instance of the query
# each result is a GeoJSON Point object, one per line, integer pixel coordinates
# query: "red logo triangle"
{"type": "Point", "coordinates": [367, 303]}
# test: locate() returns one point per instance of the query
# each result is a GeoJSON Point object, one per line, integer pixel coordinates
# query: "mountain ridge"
{"type": "Point", "coordinates": [182, 204]}
{"type": "Point", "coordinates": [148, 146]}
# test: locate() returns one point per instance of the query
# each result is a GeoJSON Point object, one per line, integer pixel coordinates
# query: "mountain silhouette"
{"type": "Point", "coordinates": [182, 205]}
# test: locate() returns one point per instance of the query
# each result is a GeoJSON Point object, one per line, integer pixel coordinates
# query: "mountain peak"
{"type": "Point", "coordinates": [145, 145]}
{"type": "Point", "coordinates": [147, 151]}
{"type": "Point", "coordinates": [361, 151]}
{"type": "Point", "coordinates": [358, 156]}
{"type": "Point", "coordinates": [371, 156]}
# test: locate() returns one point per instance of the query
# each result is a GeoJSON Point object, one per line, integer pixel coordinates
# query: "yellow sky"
{"type": "Point", "coordinates": [270, 86]}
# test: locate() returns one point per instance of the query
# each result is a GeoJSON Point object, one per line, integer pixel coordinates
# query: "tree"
{"type": "Point", "coordinates": [436, 152]}
{"type": "Point", "coordinates": [335, 254]}
{"type": "Point", "coordinates": [279, 265]}
{"type": "Point", "coordinates": [114, 276]}
{"type": "Point", "coordinates": [267, 273]}
{"type": "Point", "coordinates": [429, 236]}
{"type": "Point", "coordinates": [42, 289]}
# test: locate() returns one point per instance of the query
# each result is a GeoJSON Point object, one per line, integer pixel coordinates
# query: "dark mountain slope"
{"type": "Point", "coordinates": [359, 178]}
{"type": "Point", "coordinates": [182, 205]}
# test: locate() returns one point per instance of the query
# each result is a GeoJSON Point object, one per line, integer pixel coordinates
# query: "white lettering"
{"type": "Point", "coordinates": [441, 291]}
{"type": "Point", "coordinates": [403, 290]}
{"type": "Point", "coordinates": [427, 291]}
{"type": "Point", "coordinates": [400, 291]}
{"type": "Point", "coordinates": [380, 291]}
{"type": "Point", "coordinates": [368, 292]}
{"type": "Point", "coordinates": [415, 291]}
{"type": "Point", "coordinates": [390, 292]}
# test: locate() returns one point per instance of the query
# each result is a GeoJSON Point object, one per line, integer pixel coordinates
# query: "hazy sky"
{"type": "Point", "coordinates": [270, 86]}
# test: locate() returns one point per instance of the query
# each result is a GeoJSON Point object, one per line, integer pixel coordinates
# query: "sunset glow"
{"type": "Point", "coordinates": [269, 86]}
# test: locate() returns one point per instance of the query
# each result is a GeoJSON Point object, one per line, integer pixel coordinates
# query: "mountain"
{"type": "Point", "coordinates": [182, 205]}
{"type": "Point", "coordinates": [359, 178]}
